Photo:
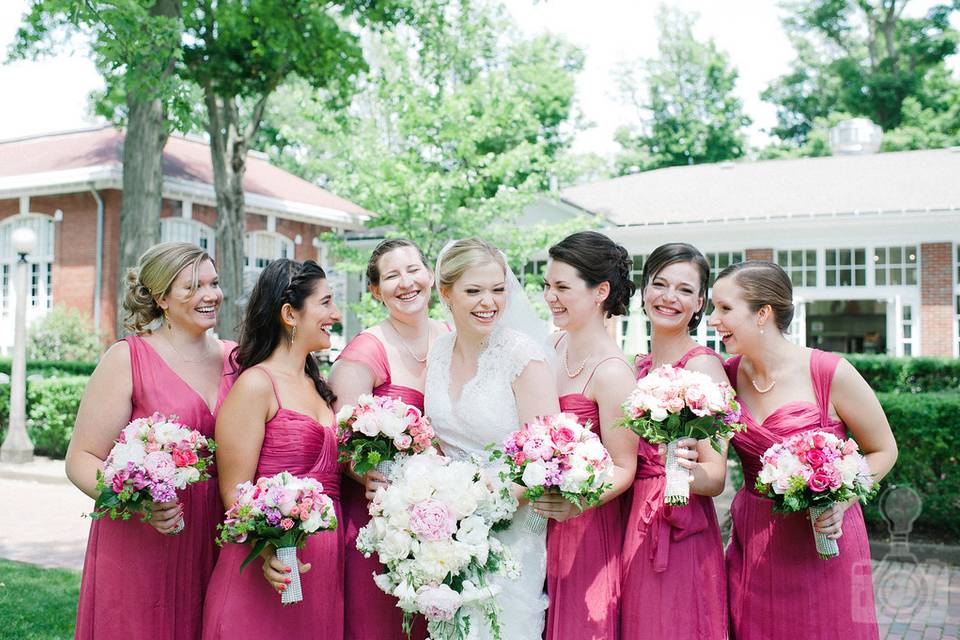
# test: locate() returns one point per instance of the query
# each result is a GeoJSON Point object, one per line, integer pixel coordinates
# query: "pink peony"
{"type": "Point", "coordinates": [538, 448]}
{"type": "Point", "coordinates": [159, 466]}
{"type": "Point", "coordinates": [431, 520]}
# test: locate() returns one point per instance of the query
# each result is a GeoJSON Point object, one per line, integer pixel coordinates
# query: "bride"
{"type": "Point", "coordinates": [483, 380]}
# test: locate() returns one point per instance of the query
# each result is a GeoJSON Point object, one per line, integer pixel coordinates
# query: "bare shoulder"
{"type": "Point", "coordinates": [115, 363]}
{"type": "Point", "coordinates": [710, 365]}
{"type": "Point", "coordinates": [254, 384]}
{"type": "Point", "coordinates": [614, 370]}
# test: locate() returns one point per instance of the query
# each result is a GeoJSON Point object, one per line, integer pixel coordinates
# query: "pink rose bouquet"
{"type": "Point", "coordinates": [377, 428]}
{"type": "Point", "coordinates": [432, 529]}
{"type": "Point", "coordinates": [557, 453]}
{"type": "Point", "coordinates": [281, 510]}
{"type": "Point", "coordinates": [671, 403]}
{"type": "Point", "coordinates": [809, 472]}
{"type": "Point", "coordinates": [151, 460]}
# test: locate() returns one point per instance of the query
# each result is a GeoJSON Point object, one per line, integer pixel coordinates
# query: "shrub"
{"type": "Point", "coordinates": [52, 406]}
{"type": "Point", "coordinates": [908, 375]}
{"type": "Point", "coordinates": [927, 428]}
{"type": "Point", "coordinates": [63, 334]}
{"type": "Point", "coordinates": [52, 368]}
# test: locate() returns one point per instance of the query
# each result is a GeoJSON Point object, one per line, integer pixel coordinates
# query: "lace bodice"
{"type": "Point", "coordinates": [487, 409]}
{"type": "Point", "coordinates": [484, 414]}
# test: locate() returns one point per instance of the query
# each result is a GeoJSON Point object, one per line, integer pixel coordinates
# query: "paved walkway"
{"type": "Point", "coordinates": [914, 600]}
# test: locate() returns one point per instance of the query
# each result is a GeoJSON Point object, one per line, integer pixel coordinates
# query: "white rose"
{"type": "Point", "coordinates": [534, 474]}
{"type": "Point", "coordinates": [395, 545]}
{"type": "Point", "coordinates": [416, 489]}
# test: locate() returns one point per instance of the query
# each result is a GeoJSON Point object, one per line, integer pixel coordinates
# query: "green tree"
{"type": "Point", "coordinates": [687, 110]}
{"type": "Point", "coordinates": [136, 45]}
{"type": "Point", "coordinates": [458, 126]}
{"type": "Point", "coordinates": [63, 334]}
{"type": "Point", "coordinates": [865, 57]}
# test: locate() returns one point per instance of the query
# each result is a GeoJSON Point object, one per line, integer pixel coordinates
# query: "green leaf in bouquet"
{"type": "Point", "coordinates": [700, 427]}
{"type": "Point", "coordinates": [258, 547]}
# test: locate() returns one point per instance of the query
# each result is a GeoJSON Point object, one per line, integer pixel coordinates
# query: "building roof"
{"type": "Point", "coordinates": [902, 181]}
{"type": "Point", "coordinates": [64, 162]}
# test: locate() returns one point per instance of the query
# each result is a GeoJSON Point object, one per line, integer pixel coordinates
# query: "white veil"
{"type": "Point", "coordinates": [519, 315]}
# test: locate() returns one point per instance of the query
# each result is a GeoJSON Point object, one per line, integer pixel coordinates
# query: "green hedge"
{"type": "Point", "coordinates": [908, 375]}
{"type": "Point", "coordinates": [52, 406]}
{"type": "Point", "coordinates": [927, 428]}
{"type": "Point", "coordinates": [52, 368]}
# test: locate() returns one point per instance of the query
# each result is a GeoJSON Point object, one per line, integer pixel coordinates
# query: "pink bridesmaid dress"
{"type": "Point", "coordinates": [779, 587]}
{"type": "Point", "coordinates": [243, 605]}
{"type": "Point", "coordinates": [370, 614]}
{"type": "Point", "coordinates": [138, 583]}
{"type": "Point", "coordinates": [672, 561]}
{"type": "Point", "coordinates": [583, 558]}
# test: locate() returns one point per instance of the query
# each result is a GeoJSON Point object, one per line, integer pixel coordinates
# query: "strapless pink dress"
{"type": "Point", "coordinates": [138, 583]}
{"type": "Point", "coordinates": [673, 578]}
{"type": "Point", "coordinates": [370, 614]}
{"type": "Point", "coordinates": [779, 587]}
{"type": "Point", "coordinates": [243, 605]}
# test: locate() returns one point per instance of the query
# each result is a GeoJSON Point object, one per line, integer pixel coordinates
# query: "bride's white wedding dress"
{"type": "Point", "coordinates": [483, 415]}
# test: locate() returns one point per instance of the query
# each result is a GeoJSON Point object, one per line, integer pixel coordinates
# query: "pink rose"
{"type": "Point", "coordinates": [117, 482]}
{"type": "Point", "coordinates": [819, 481]}
{"type": "Point", "coordinates": [403, 441]}
{"type": "Point", "coordinates": [819, 441]}
{"type": "Point", "coordinates": [286, 524]}
{"type": "Point", "coordinates": [850, 446]}
{"type": "Point", "coordinates": [431, 520]}
{"type": "Point", "coordinates": [697, 400]}
{"type": "Point", "coordinates": [564, 438]}
{"type": "Point", "coordinates": [184, 457]}
{"type": "Point", "coordinates": [815, 458]}
{"type": "Point", "coordinates": [538, 448]}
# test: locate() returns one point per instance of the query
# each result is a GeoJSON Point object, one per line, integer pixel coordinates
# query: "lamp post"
{"type": "Point", "coordinates": [17, 447]}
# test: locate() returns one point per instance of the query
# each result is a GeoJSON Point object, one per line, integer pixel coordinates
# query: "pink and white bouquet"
{"type": "Point", "coordinates": [671, 403]}
{"type": "Point", "coordinates": [281, 510]}
{"type": "Point", "coordinates": [151, 460]}
{"type": "Point", "coordinates": [431, 528]}
{"type": "Point", "coordinates": [809, 472]}
{"type": "Point", "coordinates": [377, 428]}
{"type": "Point", "coordinates": [557, 453]}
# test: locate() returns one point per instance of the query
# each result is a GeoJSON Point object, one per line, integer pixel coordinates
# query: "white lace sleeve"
{"type": "Point", "coordinates": [520, 351]}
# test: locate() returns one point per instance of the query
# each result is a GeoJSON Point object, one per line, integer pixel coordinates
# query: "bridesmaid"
{"type": "Point", "coordinates": [147, 580]}
{"type": "Point", "coordinates": [280, 417]}
{"type": "Point", "coordinates": [388, 359]}
{"type": "Point", "coordinates": [776, 579]}
{"type": "Point", "coordinates": [587, 281]}
{"type": "Point", "coordinates": [675, 554]}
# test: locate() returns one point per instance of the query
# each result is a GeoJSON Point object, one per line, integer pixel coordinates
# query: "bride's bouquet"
{"type": "Point", "coordinates": [281, 510]}
{"type": "Point", "coordinates": [152, 458]}
{"type": "Point", "coordinates": [557, 453]}
{"type": "Point", "coordinates": [671, 403]}
{"type": "Point", "coordinates": [377, 428]}
{"type": "Point", "coordinates": [809, 472]}
{"type": "Point", "coordinates": [431, 529]}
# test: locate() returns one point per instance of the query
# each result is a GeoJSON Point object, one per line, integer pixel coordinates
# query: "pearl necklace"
{"type": "Point", "coordinates": [566, 363]}
{"type": "Point", "coordinates": [403, 343]}
{"type": "Point", "coordinates": [757, 387]}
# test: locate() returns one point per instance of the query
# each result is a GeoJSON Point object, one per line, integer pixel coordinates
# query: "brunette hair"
{"type": "Point", "coordinates": [281, 282]}
{"type": "Point", "coordinates": [599, 259]}
{"type": "Point", "coordinates": [382, 249]}
{"type": "Point", "coordinates": [764, 283]}
{"type": "Point", "coordinates": [153, 278]}
{"type": "Point", "coordinates": [672, 253]}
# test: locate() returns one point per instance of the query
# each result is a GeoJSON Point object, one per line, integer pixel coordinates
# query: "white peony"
{"type": "Point", "coordinates": [395, 545]}
{"type": "Point", "coordinates": [131, 451]}
{"type": "Point", "coordinates": [439, 602]}
{"type": "Point", "coordinates": [184, 476]}
{"type": "Point", "coordinates": [534, 474]}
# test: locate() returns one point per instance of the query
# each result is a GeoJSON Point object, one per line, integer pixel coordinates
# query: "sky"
{"type": "Point", "coordinates": [52, 94]}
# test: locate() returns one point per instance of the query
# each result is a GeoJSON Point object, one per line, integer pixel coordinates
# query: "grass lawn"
{"type": "Point", "coordinates": [37, 603]}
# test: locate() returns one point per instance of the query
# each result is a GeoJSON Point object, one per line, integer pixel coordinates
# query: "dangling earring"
{"type": "Point", "coordinates": [293, 334]}
{"type": "Point", "coordinates": [761, 330]}
{"type": "Point", "coordinates": [166, 320]}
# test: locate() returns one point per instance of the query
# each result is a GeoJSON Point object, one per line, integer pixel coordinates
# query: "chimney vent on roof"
{"type": "Point", "coordinates": [855, 136]}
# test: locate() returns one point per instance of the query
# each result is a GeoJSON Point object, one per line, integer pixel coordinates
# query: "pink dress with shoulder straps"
{"type": "Point", "coordinates": [672, 564]}
{"type": "Point", "coordinates": [138, 583]}
{"type": "Point", "coordinates": [779, 587]}
{"type": "Point", "coordinates": [583, 556]}
{"type": "Point", "coordinates": [370, 614]}
{"type": "Point", "coordinates": [243, 605]}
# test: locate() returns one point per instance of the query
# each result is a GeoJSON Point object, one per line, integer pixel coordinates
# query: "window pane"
{"type": "Point", "coordinates": [860, 256]}
{"type": "Point", "coordinates": [810, 278]}
{"type": "Point", "coordinates": [908, 349]}
{"type": "Point", "coordinates": [907, 313]}
{"type": "Point", "coordinates": [881, 277]}
{"type": "Point", "coordinates": [911, 275]}
{"type": "Point", "coordinates": [811, 258]}
{"type": "Point", "coordinates": [911, 256]}
{"type": "Point", "coordinates": [896, 255]}
{"type": "Point", "coordinates": [796, 258]}
{"type": "Point", "coordinates": [861, 278]}
{"type": "Point", "coordinates": [907, 331]}
{"type": "Point", "coordinates": [831, 278]}
{"type": "Point", "coordinates": [831, 256]}
{"type": "Point", "coordinates": [782, 259]}
{"type": "Point", "coordinates": [896, 276]}
{"type": "Point", "coordinates": [795, 279]}
{"type": "Point", "coordinates": [878, 257]}
{"type": "Point", "coordinates": [845, 257]}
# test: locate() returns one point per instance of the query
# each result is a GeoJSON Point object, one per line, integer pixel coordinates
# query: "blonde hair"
{"type": "Point", "coordinates": [153, 278]}
{"type": "Point", "coordinates": [463, 255]}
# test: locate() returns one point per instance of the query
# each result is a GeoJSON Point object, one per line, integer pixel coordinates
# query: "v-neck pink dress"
{"type": "Point", "coordinates": [370, 614]}
{"type": "Point", "coordinates": [138, 583]}
{"type": "Point", "coordinates": [583, 557]}
{"type": "Point", "coordinates": [779, 587]}
{"type": "Point", "coordinates": [243, 605]}
{"type": "Point", "coordinates": [672, 565]}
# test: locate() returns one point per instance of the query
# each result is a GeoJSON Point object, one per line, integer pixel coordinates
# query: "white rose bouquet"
{"type": "Point", "coordinates": [431, 527]}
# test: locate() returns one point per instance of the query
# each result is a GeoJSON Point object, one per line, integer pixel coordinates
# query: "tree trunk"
{"type": "Point", "coordinates": [143, 144]}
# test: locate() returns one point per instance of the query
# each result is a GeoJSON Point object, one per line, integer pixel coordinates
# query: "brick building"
{"type": "Point", "coordinates": [67, 187]}
{"type": "Point", "coordinates": [871, 242]}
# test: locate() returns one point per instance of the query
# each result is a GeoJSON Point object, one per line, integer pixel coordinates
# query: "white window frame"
{"type": "Point", "coordinates": [39, 274]}
{"type": "Point", "coordinates": [189, 230]}
{"type": "Point", "coordinates": [882, 264]}
{"type": "Point", "coordinates": [853, 267]}
{"type": "Point", "coordinates": [705, 335]}
{"type": "Point", "coordinates": [257, 248]}
{"type": "Point", "coordinates": [781, 256]}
